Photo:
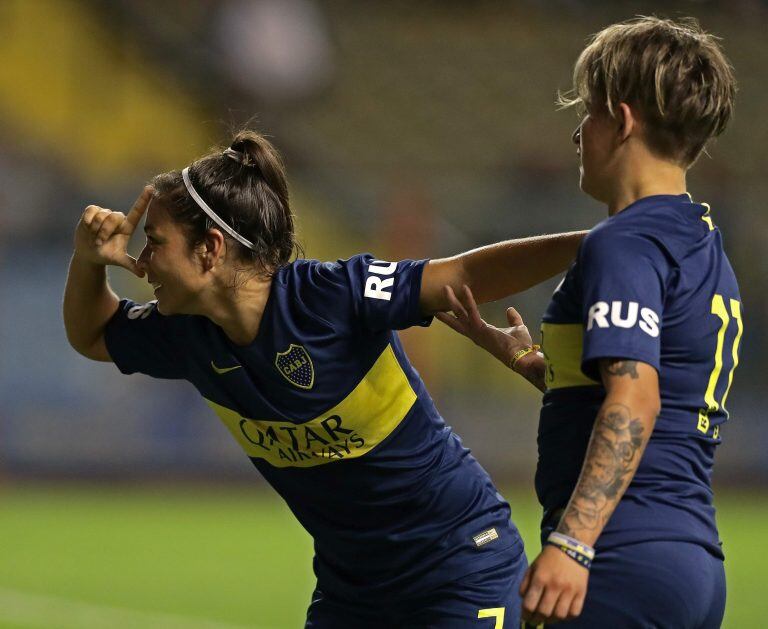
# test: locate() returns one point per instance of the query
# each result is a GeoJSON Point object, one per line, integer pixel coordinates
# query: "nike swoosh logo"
{"type": "Point", "coordinates": [222, 370]}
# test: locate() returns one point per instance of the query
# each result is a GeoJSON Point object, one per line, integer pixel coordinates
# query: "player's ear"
{"type": "Point", "coordinates": [626, 120]}
{"type": "Point", "coordinates": [213, 249]}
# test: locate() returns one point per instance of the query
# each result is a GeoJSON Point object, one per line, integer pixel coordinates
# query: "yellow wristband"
{"type": "Point", "coordinates": [522, 352]}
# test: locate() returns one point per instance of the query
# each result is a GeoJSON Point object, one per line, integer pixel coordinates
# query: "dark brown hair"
{"type": "Point", "coordinates": [246, 186]}
{"type": "Point", "coordinates": [673, 73]}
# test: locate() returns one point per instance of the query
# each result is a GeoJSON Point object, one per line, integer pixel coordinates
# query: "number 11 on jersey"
{"type": "Point", "coordinates": [712, 405]}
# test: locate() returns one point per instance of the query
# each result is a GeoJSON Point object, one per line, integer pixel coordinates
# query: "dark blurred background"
{"type": "Point", "coordinates": [410, 129]}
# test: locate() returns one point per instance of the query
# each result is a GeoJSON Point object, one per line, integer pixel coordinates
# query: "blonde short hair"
{"type": "Point", "coordinates": [672, 73]}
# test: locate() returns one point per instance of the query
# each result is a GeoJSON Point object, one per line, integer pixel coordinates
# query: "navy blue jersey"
{"type": "Point", "coordinates": [651, 283]}
{"type": "Point", "coordinates": [327, 406]}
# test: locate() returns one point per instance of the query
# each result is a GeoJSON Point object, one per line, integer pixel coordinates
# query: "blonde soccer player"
{"type": "Point", "coordinates": [640, 342]}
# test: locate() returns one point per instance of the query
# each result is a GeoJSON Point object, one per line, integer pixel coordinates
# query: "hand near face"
{"type": "Point", "coordinates": [102, 236]}
{"type": "Point", "coordinates": [553, 588]}
{"type": "Point", "coordinates": [500, 342]}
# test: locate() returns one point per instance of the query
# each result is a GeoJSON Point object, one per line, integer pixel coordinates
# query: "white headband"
{"type": "Point", "coordinates": [214, 217]}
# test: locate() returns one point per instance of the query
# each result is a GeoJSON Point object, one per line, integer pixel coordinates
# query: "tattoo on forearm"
{"type": "Point", "coordinates": [612, 456]}
{"type": "Point", "coordinates": [623, 368]}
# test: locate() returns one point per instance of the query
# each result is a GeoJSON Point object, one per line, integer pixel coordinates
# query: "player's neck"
{"type": "Point", "coordinates": [238, 312]}
{"type": "Point", "coordinates": [644, 177]}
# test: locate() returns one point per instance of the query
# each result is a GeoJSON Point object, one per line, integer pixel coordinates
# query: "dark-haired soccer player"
{"type": "Point", "coordinates": [301, 362]}
{"type": "Point", "coordinates": [640, 343]}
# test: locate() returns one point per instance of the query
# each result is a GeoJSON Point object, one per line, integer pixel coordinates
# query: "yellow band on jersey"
{"type": "Point", "coordinates": [350, 429]}
{"type": "Point", "coordinates": [562, 344]}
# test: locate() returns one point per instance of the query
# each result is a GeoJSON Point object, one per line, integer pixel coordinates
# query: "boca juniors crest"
{"type": "Point", "coordinates": [296, 366]}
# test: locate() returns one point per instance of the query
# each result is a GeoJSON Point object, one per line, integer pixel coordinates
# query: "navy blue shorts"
{"type": "Point", "coordinates": [488, 599]}
{"type": "Point", "coordinates": [653, 585]}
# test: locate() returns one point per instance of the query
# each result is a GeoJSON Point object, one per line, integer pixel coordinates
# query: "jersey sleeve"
{"type": "Point", "coordinates": [376, 295]}
{"type": "Point", "coordinates": [140, 339]}
{"type": "Point", "coordinates": [623, 280]}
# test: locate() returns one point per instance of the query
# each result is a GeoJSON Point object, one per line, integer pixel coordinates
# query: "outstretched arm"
{"type": "Point", "coordinates": [498, 270]}
{"type": "Point", "coordinates": [101, 239]}
{"type": "Point", "coordinates": [555, 585]}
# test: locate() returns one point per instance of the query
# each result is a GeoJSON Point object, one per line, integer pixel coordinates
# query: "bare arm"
{"type": "Point", "coordinates": [101, 238]}
{"type": "Point", "coordinates": [498, 270]}
{"type": "Point", "coordinates": [621, 431]}
{"type": "Point", "coordinates": [555, 586]}
{"type": "Point", "coordinates": [89, 304]}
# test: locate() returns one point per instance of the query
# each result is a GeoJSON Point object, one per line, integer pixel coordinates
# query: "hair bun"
{"type": "Point", "coordinates": [242, 155]}
{"type": "Point", "coordinates": [253, 150]}
{"type": "Point", "coordinates": [250, 149]}
{"type": "Point", "coordinates": [234, 155]}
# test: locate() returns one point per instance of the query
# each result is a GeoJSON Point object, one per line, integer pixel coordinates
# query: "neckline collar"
{"type": "Point", "coordinates": [685, 197]}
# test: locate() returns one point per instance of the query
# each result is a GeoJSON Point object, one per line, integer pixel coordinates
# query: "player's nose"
{"type": "Point", "coordinates": [142, 260]}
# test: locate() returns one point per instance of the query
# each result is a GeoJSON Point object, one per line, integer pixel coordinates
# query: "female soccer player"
{"type": "Point", "coordinates": [301, 363]}
{"type": "Point", "coordinates": [640, 342]}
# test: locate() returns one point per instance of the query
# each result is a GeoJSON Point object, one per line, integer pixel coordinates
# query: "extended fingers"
{"type": "Point", "coordinates": [137, 210]}
{"type": "Point", "coordinates": [449, 320]}
{"type": "Point", "coordinates": [470, 304]}
{"type": "Point", "coordinates": [514, 318]}
{"type": "Point", "coordinates": [455, 304]}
